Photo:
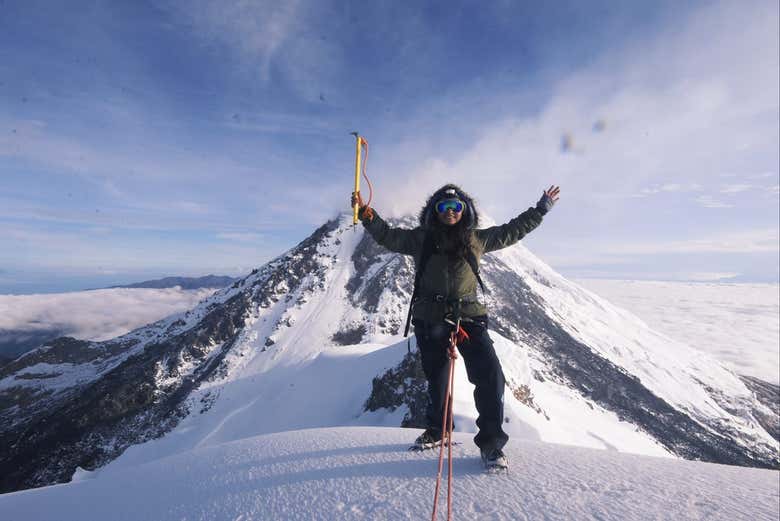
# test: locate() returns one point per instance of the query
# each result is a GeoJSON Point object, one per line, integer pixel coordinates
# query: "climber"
{"type": "Point", "coordinates": [447, 247]}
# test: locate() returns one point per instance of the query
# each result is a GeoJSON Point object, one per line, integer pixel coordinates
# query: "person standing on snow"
{"type": "Point", "coordinates": [450, 245]}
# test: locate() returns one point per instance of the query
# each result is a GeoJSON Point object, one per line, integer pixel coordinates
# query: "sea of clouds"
{"type": "Point", "coordinates": [88, 315]}
{"type": "Point", "coordinates": [737, 324]}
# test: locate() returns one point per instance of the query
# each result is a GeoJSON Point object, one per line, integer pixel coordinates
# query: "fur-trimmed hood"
{"type": "Point", "coordinates": [427, 214]}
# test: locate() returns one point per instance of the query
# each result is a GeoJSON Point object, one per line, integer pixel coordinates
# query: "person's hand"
{"type": "Point", "coordinates": [363, 209]}
{"type": "Point", "coordinates": [549, 198]}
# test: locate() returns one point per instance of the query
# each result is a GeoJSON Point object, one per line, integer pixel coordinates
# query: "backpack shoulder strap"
{"type": "Point", "coordinates": [472, 261]}
{"type": "Point", "coordinates": [428, 248]}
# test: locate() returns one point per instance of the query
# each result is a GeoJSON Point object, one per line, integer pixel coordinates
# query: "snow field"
{"type": "Point", "coordinates": [330, 390]}
{"type": "Point", "coordinates": [359, 473]}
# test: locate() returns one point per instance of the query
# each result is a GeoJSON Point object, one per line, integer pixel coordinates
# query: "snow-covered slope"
{"type": "Point", "coordinates": [367, 473]}
{"type": "Point", "coordinates": [312, 339]}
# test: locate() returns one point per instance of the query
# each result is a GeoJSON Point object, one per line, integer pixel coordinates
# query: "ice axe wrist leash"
{"type": "Point", "coordinates": [360, 165]}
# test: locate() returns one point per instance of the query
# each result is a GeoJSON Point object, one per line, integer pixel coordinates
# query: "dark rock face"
{"type": "Point", "coordinates": [394, 275]}
{"type": "Point", "coordinates": [402, 385]}
{"type": "Point", "coordinates": [46, 433]}
{"type": "Point", "coordinates": [769, 396]}
{"type": "Point", "coordinates": [16, 342]}
{"type": "Point", "coordinates": [66, 350]}
{"type": "Point", "coordinates": [286, 273]}
{"type": "Point", "coordinates": [349, 336]}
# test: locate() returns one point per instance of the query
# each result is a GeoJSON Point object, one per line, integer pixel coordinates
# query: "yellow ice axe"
{"type": "Point", "coordinates": [359, 141]}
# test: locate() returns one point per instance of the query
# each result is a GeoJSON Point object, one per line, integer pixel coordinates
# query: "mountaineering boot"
{"type": "Point", "coordinates": [429, 439]}
{"type": "Point", "coordinates": [494, 459]}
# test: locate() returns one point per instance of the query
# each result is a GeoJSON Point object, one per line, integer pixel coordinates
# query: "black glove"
{"type": "Point", "coordinates": [545, 204]}
{"type": "Point", "coordinates": [364, 211]}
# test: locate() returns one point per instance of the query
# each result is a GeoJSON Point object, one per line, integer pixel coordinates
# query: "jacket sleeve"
{"type": "Point", "coordinates": [399, 240]}
{"type": "Point", "coordinates": [497, 237]}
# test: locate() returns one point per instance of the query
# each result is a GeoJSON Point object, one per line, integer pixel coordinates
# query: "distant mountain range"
{"type": "Point", "coordinates": [208, 281]}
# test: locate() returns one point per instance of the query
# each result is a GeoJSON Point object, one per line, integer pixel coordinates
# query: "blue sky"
{"type": "Point", "coordinates": [143, 139]}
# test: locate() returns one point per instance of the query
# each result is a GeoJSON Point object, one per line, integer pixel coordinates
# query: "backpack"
{"type": "Point", "coordinates": [428, 248]}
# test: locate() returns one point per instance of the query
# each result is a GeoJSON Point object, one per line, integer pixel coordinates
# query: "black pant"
{"type": "Point", "coordinates": [482, 367]}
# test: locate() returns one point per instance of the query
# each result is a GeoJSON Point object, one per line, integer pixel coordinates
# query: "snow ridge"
{"type": "Point", "coordinates": [355, 473]}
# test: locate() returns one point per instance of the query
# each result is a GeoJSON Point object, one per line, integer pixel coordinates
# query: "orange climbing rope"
{"type": "Point", "coordinates": [457, 336]}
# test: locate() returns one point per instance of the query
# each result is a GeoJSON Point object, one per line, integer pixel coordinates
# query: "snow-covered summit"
{"type": "Point", "coordinates": [367, 473]}
{"type": "Point", "coordinates": [313, 339]}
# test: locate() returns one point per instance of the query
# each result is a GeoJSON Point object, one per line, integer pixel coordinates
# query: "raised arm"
{"type": "Point", "coordinates": [497, 237]}
{"type": "Point", "coordinates": [399, 240]}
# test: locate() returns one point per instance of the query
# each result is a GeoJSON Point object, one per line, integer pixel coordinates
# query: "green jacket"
{"type": "Point", "coordinates": [451, 278]}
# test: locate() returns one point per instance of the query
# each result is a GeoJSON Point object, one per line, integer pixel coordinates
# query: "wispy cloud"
{"type": "Point", "coordinates": [734, 189]}
{"type": "Point", "coordinates": [754, 254]}
{"type": "Point", "coordinates": [673, 110]}
{"type": "Point", "coordinates": [96, 161]}
{"type": "Point", "coordinates": [242, 237]}
{"type": "Point", "coordinates": [705, 276]}
{"type": "Point", "coordinates": [29, 248]}
{"type": "Point", "coordinates": [266, 122]}
{"type": "Point", "coordinates": [671, 187]}
{"type": "Point", "coordinates": [257, 29]}
{"type": "Point", "coordinates": [676, 115]}
{"type": "Point", "coordinates": [707, 201]}
{"type": "Point", "coordinates": [294, 43]}
{"type": "Point", "coordinates": [763, 175]}
{"type": "Point", "coordinates": [757, 241]}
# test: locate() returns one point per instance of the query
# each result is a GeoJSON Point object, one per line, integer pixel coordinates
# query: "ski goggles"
{"type": "Point", "coordinates": [455, 205]}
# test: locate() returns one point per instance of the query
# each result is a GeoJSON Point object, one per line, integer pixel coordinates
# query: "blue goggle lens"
{"type": "Point", "coordinates": [449, 204]}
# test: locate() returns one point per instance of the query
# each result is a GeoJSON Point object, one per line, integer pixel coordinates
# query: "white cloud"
{"type": "Point", "coordinates": [670, 187]}
{"type": "Point", "coordinates": [757, 241]}
{"type": "Point", "coordinates": [242, 236]}
{"type": "Point", "coordinates": [608, 258]}
{"type": "Point", "coordinates": [257, 29]}
{"type": "Point", "coordinates": [706, 276]}
{"type": "Point", "coordinates": [707, 201]}
{"type": "Point", "coordinates": [275, 123]}
{"type": "Point", "coordinates": [104, 166]}
{"type": "Point", "coordinates": [763, 175]}
{"type": "Point", "coordinates": [95, 315]}
{"type": "Point", "coordinates": [28, 248]}
{"type": "Point", "coordinates": [736, 323]}
{"type": "Point", "coordinates": [733, 189]}
{"type": "Point", "coordinates": [678, 109]}
{"type": "Point", "coordinates": [273, 41]}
